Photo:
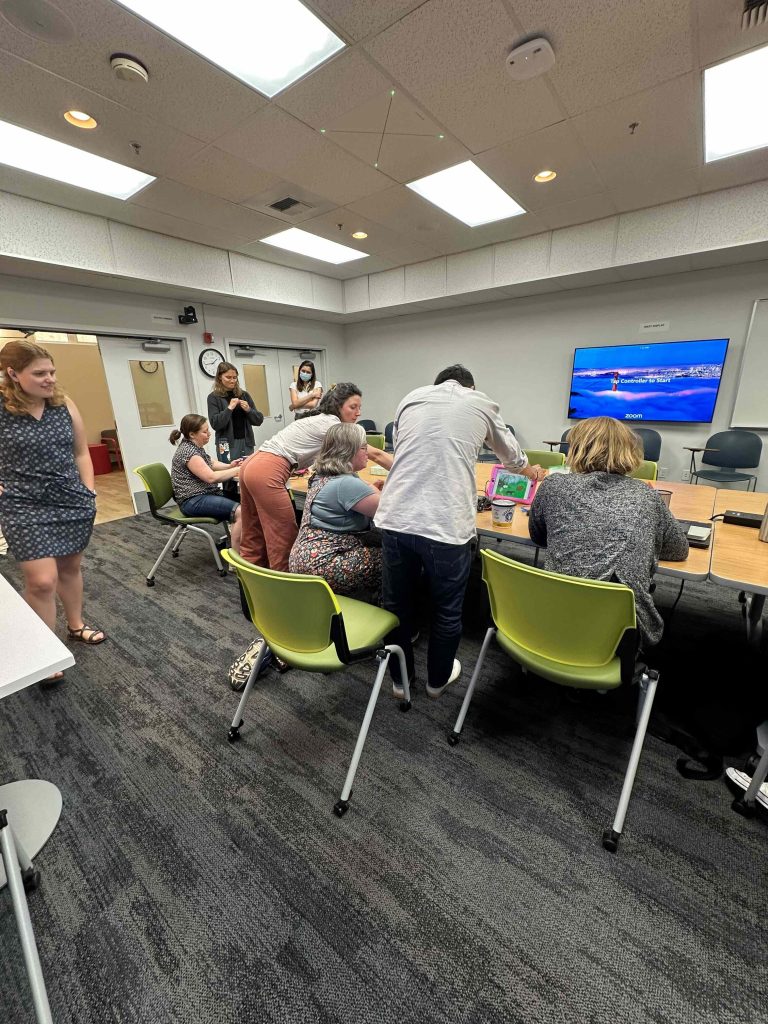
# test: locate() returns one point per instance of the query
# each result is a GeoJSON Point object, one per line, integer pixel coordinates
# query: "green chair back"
{"type": "Point", "coordinates": [290, 611]}
{"type": "Point", "coordinates": [157, 481]}
{"type": "Point", "coordinates": [544, 459]}
{"type": "Point", "coordinates": [646, 471]}
{"type": "Point", "coordinates": [567, 620]}
{"type": "Point", "coordinates": [376, 441]}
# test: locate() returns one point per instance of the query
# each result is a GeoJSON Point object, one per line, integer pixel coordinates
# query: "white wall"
{"type": "Point", "coordinates": [521, 351]}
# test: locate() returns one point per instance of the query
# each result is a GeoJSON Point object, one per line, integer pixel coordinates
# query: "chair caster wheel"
{"type": "Point", "coordinates": [453, 738]}
{"type": "Point", "coordinates": [222, 572]}
{"type": "Point", "coordinates": [174, 554]}
{"type": "Point", "coordinates": [234, 733]}
{"type": "Point", "coordinates": [744, 809]}
{"type": "Point", "coordinates": [31, 879]}
{"type": "Point", "coordinates": [405, 705]}
{"type": "Point", "coordinates": [340, 808]}
{"type": "Point", "coordinates": [150, 582]}
{"type": "Point", "coordinates": [611, 840]}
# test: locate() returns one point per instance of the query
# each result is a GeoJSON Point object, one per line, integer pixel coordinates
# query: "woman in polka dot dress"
{"type": "Point", "coordinates": [47, 500]}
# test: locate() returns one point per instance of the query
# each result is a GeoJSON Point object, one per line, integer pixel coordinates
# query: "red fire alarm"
{"type": "Point", "coordinates": [207, 337]}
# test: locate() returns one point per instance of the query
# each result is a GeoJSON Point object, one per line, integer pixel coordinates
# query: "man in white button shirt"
{"type": "Point", "coordinates": [427, 511]}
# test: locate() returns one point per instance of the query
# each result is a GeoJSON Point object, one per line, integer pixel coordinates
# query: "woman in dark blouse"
{"type": "Point", "coordinates": [233, 414]}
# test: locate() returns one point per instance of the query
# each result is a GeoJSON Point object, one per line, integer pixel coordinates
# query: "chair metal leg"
{"type": "Point", "coordinates": [212, 545]}
{"type": "Point", "coordinates": [177, 545]}
{"type": "Point", "coordinates": [453, 738]}
{"type": "Point", "coordinates": [382, 656]}
{"type": "Point", "coordinates": [405, 703]}
{"type": "Point", "coordinates": [23, 923]}
{"type": "Point", "coordinates": [611, 836]}
{"type": "Point", "coordinates": [234, 730]}
{"type": "Point", "coordinates": [169, 544]}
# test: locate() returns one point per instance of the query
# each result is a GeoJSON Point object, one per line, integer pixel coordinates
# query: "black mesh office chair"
{"type": "Point", "coordinates": [564, 446]}
{"type": "Point", "coordinates": [368, 426]}
{"type": "Point", "coordinates": [389, 444]}
{"type": "Point", "coordinates": [728, 451]}
{"type": "Point", "coordinates": [651, 443]}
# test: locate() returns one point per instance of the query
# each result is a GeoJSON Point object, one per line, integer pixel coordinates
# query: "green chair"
{"type": "Point", "coordinates": [646, 471]}
{"type": "Point", "coordinates": [157, 481]}
{"type": "Point", "coordinates": [376, 441]}
{"type": "Point", "coordinates": [544, 459]}
{"type": "Point", "coordinates": [313, 629]}
{"type": "Point", "coordinates": [575, 632]}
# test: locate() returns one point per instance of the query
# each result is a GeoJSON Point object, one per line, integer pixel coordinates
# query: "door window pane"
{"type": "Point", "coordinates": [151, 390]}
{"type": "Point", "coordinates": [255, 376]}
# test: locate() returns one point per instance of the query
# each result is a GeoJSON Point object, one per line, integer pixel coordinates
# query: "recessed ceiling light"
{"type": "Point", "coordinates": [468, 194]}
{"type": "Point", "coordinates": [36, 153]}
{"type": "Point", "coordinates": [80, 119]}
{"type": "Point", "coordinates": [545, 176]}
{"type": "Point", "coordinates": [359, 234]}
{"type": "Point", "coordinates": [734, 121]}
{"type": "Point", "coordinates": [266, 45]}
{"type": "Point", "coordinates": [307, 244]}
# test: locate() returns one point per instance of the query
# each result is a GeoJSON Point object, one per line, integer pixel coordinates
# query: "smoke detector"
{"type": "Point", "coordinates": [127, 69]}
{"type": "Point", "coordinates": [531, 59]}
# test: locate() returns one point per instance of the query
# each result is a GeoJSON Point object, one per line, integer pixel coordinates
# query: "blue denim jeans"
{"type": "Point", "coordinates": [446, 568]}
{"type": "Point", "coordinates": [216, 506]}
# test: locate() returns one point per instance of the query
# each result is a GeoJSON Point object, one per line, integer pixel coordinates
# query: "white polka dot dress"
{"type": "Point", "coordinates": [46, 511]}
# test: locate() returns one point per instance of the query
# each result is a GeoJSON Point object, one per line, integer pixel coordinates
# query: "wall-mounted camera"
{"type": "Point", "coordinates": [189, 316]}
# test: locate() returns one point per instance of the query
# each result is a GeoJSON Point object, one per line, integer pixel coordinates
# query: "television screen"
{"type": "Point", "coordinates": [671, 381]}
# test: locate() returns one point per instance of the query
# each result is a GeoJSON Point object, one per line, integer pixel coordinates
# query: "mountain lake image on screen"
{"type": "Point", "coordinates": [671, 382]}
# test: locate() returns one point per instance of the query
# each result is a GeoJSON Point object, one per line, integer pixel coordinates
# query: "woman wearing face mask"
{"type": "Point", "coordinates": [306, 392]}
{"type": "Point", "coordinates": [47, 500]}
{"type": "Point", "coordinates": [232, 414]}
{"type": "Point", "coordinates": [269, 523]}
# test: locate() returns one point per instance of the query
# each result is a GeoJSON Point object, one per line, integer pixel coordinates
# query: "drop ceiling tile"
{"type": "Point", "coordinates": [610, 49]}
{"type": "Point", "coordinates": [586, 247]}
{"type": "Point", "coordinates": [327, 293]}
{"type": "Point", "coordinates": [359, 18]}
{"type": "Point", "coordinates": [409, 157]}
{"type": "Point", "coordinates": [143, 254]}
{"type": "Point", "coordinates": [270, 282]}
{"type": "Point", "coordinates": [579, 211]}
{"type": "Point", "coordinates": [557, 147]}
{"type": "Point", "coordinates": [176, 74]}
{"type": "Point", "coordinates": [733, 216]}
{"type": "Point", "coordinates": [656, 191]}
{"type": "Point", "coordinates": [356, 294]}
{"type": "Point", "coordinates": [470, 271]}
{"type": "Point", "coordinates": [521, 260]}
{"type": "Point", "coordinates": [667, 138]}
{"type": "Point", "coordinates": [342, 84]}
{"type": "Point", "coordinates": [425, 280]}
{"type": "Point", "coordinates": [221, 174]}
{"type": "Point", "coordinates": [450, 57]}
{"type": "Point", "coordinates": [379, 241]}
{"type": "Point", "coordinates": [719, 31]}
{"type": "Point", "coordinates": [387, 288]}
{"type": "Point", "coordinates": [180, 201]}
{"type": "Point", "coordinates": [35, 99]}
{"type": "Point", "coordinates": [734, 170]}
{"type": "Point", "coordinates": [410, 253]}
{"type": "Point", "coordinates": [667, 230]}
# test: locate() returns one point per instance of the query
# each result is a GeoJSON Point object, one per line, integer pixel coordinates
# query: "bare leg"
{"type": "Point", "coordinates": [235, 531]}
{"type": "Point", "coordinates": [40, 581]}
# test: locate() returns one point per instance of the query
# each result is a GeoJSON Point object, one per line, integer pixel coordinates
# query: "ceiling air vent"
{"type": "Point", "coordinates": [755, 13]}
{"type": "Point", "coordinates": [290, 207]}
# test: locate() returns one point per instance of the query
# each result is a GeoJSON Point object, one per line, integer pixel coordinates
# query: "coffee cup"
{"type": "Point", "coordinates": [502, 511]}
{"type": "Point", "coordinates": [666, 496]}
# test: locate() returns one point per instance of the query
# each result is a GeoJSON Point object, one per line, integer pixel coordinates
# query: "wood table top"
{"type": "Point", "coordinates": [739, 557]}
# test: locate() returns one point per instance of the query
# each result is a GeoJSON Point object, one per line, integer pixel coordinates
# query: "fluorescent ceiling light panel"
{"type": "Point", "coordinates": [468, 194]}
{"type": "Point", "coordinates": [268, 44]}
{"type": "Point", "coordinates": [307, 244]}
{"type": "Point", "coordinates": [36, 153]}
{"type": "Point", "coordinates": [734, 112]}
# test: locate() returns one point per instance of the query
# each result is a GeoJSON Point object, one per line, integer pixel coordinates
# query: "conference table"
{"type": "Point", "coordinates": [739, 557]}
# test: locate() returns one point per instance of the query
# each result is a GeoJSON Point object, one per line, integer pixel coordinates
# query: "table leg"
{"type": "Point", "coordinates": [34, 808]}
{"type": "Point", "coordinates": [754, 617]}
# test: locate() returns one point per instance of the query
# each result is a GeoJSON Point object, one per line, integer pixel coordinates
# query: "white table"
{"type": "Point", "coordinates": [29, 652]}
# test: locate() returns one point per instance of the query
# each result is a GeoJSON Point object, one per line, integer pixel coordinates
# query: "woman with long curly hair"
{"type": "Point", "coordinates": [47, 500]}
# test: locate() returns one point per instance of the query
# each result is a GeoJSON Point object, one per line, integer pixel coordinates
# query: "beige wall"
{"type": "Point", "coordinates": [80, 373]}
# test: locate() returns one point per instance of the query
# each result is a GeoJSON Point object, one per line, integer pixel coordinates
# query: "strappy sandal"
{"type": "Point", "coordinates": [79, 634]}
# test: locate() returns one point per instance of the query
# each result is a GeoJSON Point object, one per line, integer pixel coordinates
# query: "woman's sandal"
{"type": "Point", "coordinates": [79, 634]}
{"type": "Point", "coordinates": [52, 679]}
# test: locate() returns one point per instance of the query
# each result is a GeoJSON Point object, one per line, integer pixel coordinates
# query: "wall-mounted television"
{"type": "Point", "coordinates": [668, 381]}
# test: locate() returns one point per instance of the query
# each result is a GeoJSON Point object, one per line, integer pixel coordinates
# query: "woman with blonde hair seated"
{"type": "Point", "coordinates": [335, 539]}
{"type": "Point", "coordinates": [599, 523]}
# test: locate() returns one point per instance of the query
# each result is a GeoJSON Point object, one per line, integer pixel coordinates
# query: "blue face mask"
{"type": "Point", "coordinates": [305, 376]}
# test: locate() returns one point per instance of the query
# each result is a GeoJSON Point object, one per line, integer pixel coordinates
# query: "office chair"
{"type": "Point", "coordinates": [368, 426]}
{"type": "Point", "coordinates": [389, 443]}
{"type": "Point", "coordinates": [646, 471]}
{"type": "Point", "coordinates": [728, 450]}
{"type": "Point", "coordinates": [651, 442]}
{"type": "Point", "coordinates": [157, 482]}
{"type": "Point", "coordinates": [575, 632]}
{"type": "Point", "coordinates": [311, 628]}
{"type": "Point", "coordinates": [544, 459]}
{"type": "Point", "coordinates": [376, 441]}
{"type": "Point", "coordinates": [564, 446]}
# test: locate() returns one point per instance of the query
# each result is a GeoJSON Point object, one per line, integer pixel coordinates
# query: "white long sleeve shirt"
{"type": "Point", "coordinates": [431, 489]}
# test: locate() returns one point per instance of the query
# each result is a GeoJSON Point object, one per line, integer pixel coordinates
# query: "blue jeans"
{"type": "Point", "coordinates": [446, 567]}
{"type": "Point", "coordinates": [216, 506]}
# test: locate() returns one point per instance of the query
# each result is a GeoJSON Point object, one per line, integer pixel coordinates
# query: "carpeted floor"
{"type": "Point", "coordinates": [193, 881]}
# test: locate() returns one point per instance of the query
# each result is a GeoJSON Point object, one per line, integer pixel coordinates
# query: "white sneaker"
{"type": "Point", "coordinates": [398, 692]}
{"type": "Point", "coordinates": [743, 780]}
{"type": "Point", "coordinates": [435, 691]}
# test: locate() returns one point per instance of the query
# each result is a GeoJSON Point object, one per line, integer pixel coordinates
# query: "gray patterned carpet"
{"type": "Point", "coordinates": [192, 881]}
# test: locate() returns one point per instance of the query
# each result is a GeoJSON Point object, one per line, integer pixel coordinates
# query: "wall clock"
{"type": "Point", "coordinates": [209, 360]}
{"type": "Point", "coordinates": [149, 365]}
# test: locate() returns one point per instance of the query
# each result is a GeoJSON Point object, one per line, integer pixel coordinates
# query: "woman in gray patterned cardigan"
{"type": "Point", "coordinates": [600, 524]}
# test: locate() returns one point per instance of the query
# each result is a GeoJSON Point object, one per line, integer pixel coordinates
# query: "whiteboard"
{"type": "Point", "coordinates": [751, 406]}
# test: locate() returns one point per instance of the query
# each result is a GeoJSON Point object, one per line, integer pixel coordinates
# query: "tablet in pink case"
{"type": "Point", "coordinates": [512, 486]}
